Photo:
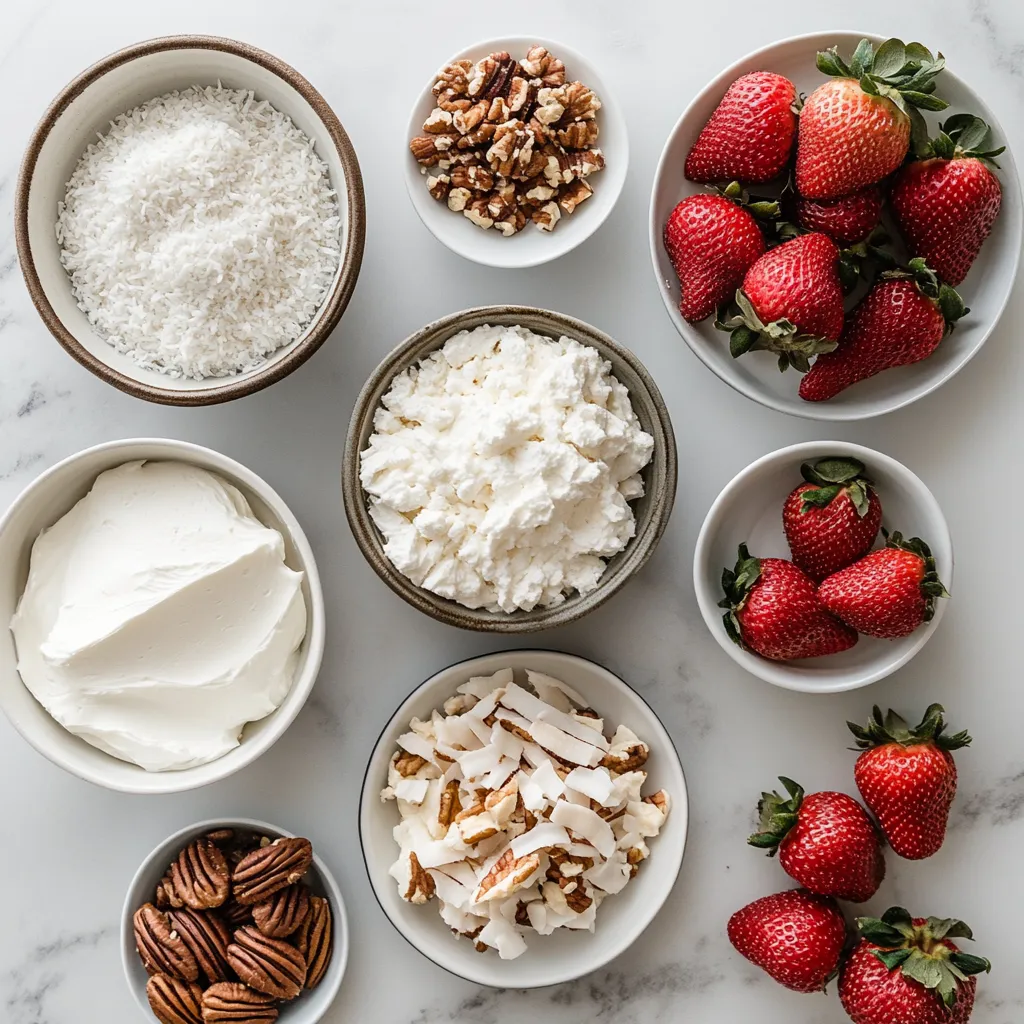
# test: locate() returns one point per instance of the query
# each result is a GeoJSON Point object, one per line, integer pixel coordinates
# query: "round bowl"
{"type": "Point", "coordinates": [652, 511]}
{"type": "Point", "coordinates": [749, 509]}
{"type": "Point", "coordinates": [986, 289]}
{"type": "Point", "coordinates": [85, 107]}
{"type": "Point", "coordinates": [310, 1006]}
{"type": "Point", "coordinates": [621, 919]}
{"type": "Point", "coordinates": [48, 498]}
{"type": "Point", "coordinates": [530, 247]}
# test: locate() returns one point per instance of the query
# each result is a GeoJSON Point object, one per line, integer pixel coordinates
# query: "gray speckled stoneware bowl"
{"type": "Point", "coordinates": [652, 511]}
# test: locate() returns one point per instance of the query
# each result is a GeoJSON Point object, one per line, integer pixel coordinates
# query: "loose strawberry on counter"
{"type": "Point", "coordinates": [826, 841]}
{"type": "Point", "coordinates": [856, 129]}
{"type": "Point", "coordinates": [796, 937]}
{"type": "Point", "coordinates": [909, 971]}
{"type": "Point", "coordinates": [772, 609]}
{"type": "Point", "coordinates": [833, 518]}
{"type": "Point", "coordinates": [946, 204]}
{"type": "Point", "coordinates": [845, 220]}
{"type": "Point", "coordinates": [889, 592]}
{"type": "Point", "coordinates": [907, 778]}
{"type": "Point", "coordinates": [750, 135]}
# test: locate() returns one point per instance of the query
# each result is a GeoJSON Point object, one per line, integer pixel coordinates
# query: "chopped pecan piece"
{"type": "Point", "coordinates": [507, 876]}
{"type": "Point", "coordinates": [438, 185]}
{"type": "Point", "coordinates": [541, 64]}
{"type": "Point", "coordinates": [547, 216]}
{"type": "Point", "coordinates": [574, 194]}
{"type": "Point", "coordinates": [465, 121]}
{"type": "Point", "coordinates": [449, 805]}
{"type": "Point", "coordinates": [632, 759]}
{"type": "Point", "coordinates": [578, 135]}
{"type": "Point", "coordinates": [423, 148]}
{"type": "Point", "coordinates": [475, 177]}
{"type": "Point", "coordinates": [407, 764]}
{"type": "Point", "coordinates": [421, 883]}
{"type": "Point", "coordinates": [453, 79]}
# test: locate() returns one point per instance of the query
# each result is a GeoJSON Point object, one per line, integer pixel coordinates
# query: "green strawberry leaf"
{"type": "Point", "coordinates": [951, 305]}
{"type": "Point", "coordinates": [880, 932]}
{"type": "Point", "coordinates": [863, 57]}
{"type": "Point", "coordinates": [899, 918]}
{"type": "Point", "coordinates": [830, 63]}
{"type": "Point", "coordinates": [870, 86]}
{"type": "Point", "coordinates": [821, 497]}
{"type": "Point", "coordinates": [741, 341]}
{"type": "Point", "coordinates": [923, 969]}
{"type": "Point", "coordinates": [838, 469]}
{"type": "Point", "coordinates": [967, 130]}
{"type": "Point", "coordinates": [732, 629]}
{"type": "Point", "coordinates": [765, 209]}
{"type": "Point", "coordinates": [859, 496]}
{"type": "Point", "coordinates": [923, 100]}
{"type": "Point", "coordinates": [970, 964]}
{"type": "Point", "coordinates": [889, 59]}
{"type": "Point", "coordinates": [919, 52]}
{"type": "Point", "coordinates": [892, 958]}
{"type": "Point", "coordinates": [946, 927]}
{"type": "Point", "coordinates": [920, 145]}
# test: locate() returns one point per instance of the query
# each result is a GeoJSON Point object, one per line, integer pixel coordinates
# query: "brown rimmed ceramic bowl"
{"type": "Point", "coordinates": [84, 107]}
{"type": "Point", "coordinates": [652, 511]}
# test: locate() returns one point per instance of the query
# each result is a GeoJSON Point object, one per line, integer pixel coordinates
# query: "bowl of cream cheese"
{"type": "Point", "coordinates": [165, 620]}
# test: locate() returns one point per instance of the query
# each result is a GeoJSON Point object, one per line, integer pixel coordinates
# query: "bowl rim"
{"type": "Point", "coordinates": [339, 915]}
{"type": "Point", "coordinates": [681, 803]}
{"type": "Point", "coordinates": [414, 181]}
{"type": "Point", "coordinates": [184, 779]}
{"type": "Point", "coordinates": [820, 411]}
{"type": "Point", "coordinates": [442, 609]}
{"type": "Point", "coordinates": [780, 673]}
{"type": "Point", "coordinates": [330, 310]}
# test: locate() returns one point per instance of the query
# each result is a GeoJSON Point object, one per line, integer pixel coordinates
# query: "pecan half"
{"type": "Point", "coordinates": [506, 876]}
{"type": "Point", "coordinates": [174, 1001]}
{"type": "Point", "coordinates": [165, 896]}
{"type": "Point", "coordinates": [540, 64]}
{"type": "Point", "coordinates": [261, 873]}
{"type": "Point", "coordinates": [315, 941]}
{"type": "Point", "coordinates": [200, 875]}
{"type": "Point", "coordinates": [421, 883]}
{"type": "Point", "coordinates": [160, 947]}
{"type": "Point", "coordinates": [449, 805]}
{"type": "Point", "coordinates": [629, 761]}
{"type": "Point", "coordinates": [271, 966]}
{"type": "Point", "coordinates": [230, 1001]}
{"type": "Point", "coordinates": [280, 915]}
{"type": "Point", "coordinates": [207, 937]}
{"type": "Point", "coordinates": [235, 914]}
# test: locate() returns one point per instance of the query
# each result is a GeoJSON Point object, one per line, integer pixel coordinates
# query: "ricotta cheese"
{"type": "Point", "coordinates": [501, 469]}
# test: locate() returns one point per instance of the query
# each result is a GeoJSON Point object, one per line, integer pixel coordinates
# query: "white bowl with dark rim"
{"type": "Point", "coordinates": [307, 1008]}
{"type": "Point", "coordinates": [529, 247]}
{"type": "Point", "coordinates": [49, 497]}
{"type": "Point", "coordinates": [621, 919]}
{"type": "Point", "coordinates": [652, 511]}
{"type": "Point", "coordinates": [986, 289]}
{"type": "Point", "coordinates": [749, 510]}
{"type": "Point", "coordinates": [86, 106]}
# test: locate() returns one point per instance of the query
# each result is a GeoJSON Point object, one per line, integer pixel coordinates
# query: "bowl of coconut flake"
{"type": "Point", "coordinates": [190, 219]}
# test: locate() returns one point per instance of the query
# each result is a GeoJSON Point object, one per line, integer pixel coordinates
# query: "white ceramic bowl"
{"type": "Point", "coordinates": [750, 509]}
{"type": "Point", "coordinates": [529, 247]}
{"type": "Point", "coordinates": [86, 106]}
{"type": "Point", "coordinates": [986, 289]}
{"type": "Point", "coordinates": [310, 1006]}
{"type": "Point", "coordinates": [48, 498]}
{"type": "Point", "coordinates": [563, 956]}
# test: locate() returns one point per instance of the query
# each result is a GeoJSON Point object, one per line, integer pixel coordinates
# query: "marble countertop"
{"type": "Point", "coordinates": [69, 849]}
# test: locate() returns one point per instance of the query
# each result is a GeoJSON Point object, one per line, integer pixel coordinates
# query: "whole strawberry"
{"type": "Point", "coordinates": [909, 971]}
{"type": "Point", "coordinates": [947, 203]}
{"type": "Point", "coordinates": [826, 841]}
{"type": "Point", "coordinates": [900, 321]}
{"type": "Point", "coordinates": [889, 592]}
{"type": "Point", "coordinates": [750, 135]}
{"type": "Point", "coordinates": [845, 220]}
{"type": "Point", "coordinates": [833, 518]}
{"type": "Point", "coordinates": [855, 129]}
{"type": "Point", "coordinates": [796, 937]}
{"type": "Point", "coordinates": [907, 778]}
{"type": "Point", "coordinates": [712, 242]}
{"type": "Point", "coordinates": [773, 610]}
{"type": "Point", "coordinates": [791, 303]}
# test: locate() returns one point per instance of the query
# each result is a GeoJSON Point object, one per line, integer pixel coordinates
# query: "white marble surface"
{"type": "Point", "coordinates": [69, 849]}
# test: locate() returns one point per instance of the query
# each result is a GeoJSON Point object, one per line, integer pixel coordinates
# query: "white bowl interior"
{"type": "Point", "coordinates": [48, 498]}
{"type": "Point", "coordinates": [529, 247]}
{"type": "Point", "coordinates": [310, 1006]}
{"type": "Point", "coordinates": [750, 509]}
{"type": "Point", "coordinates": [562, 956]}
{"type": "Point", "coordinates": [756, 375]}
{"type": "Point", "coordinates": [119, 90]}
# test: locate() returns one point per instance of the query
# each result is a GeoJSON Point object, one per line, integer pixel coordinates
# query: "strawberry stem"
{"type": "Point", "coordinates": [777, 816]}
{"type": "Point", "coordinates": [892, 728]}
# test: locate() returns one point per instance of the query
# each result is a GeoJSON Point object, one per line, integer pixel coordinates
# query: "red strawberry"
{"type": "Point", "coordinates": [773, 610]}
{"type": "Point", "coordinates": [856, 129]}
{"type": "Point", "coordinates": [946, 205]}
{"type": "Point", "coordinates": [711, 242]}
{"type": "Point", "coordinates": [908, 971]}
{"type": "Point", "coordinates": [907, 777]}
{"type": "Point", "coordinates": [888, 593]}
{"type": "Point", "coordinates": [833, 518]}
{"type": "Point", "coordinates": [750, 135]}
{"type": "Point", "coordinates": [796, 937]}
{"type": "Point", "coordinates": [900, 321]}
{"type": "Point", "coordinates": [845, 220]}
{"type": "Point", "coordinates": [791, 302]}
{"type": "Point", "coordinates": [826, 841]}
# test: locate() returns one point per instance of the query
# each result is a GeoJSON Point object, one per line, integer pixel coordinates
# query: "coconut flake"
{"type": "Point", "coordinates": [483, 686]}
{"type": "Point", "coordinates": [504, 937]}
{"type": "Point", "coordinates": [416, 744]}
{"type": "Point", "coordinates": [582, 821]}
{"type": "Point", "coordinates": [564, 746]}
{"type": "Point", "coordinates": [412, 790]}
{"type": "Point", "coordinates": [540, 837]}
{"type": "Point", "coordinates": [610, 876]}
{"type": "Point", "coordinates": [595, 783]}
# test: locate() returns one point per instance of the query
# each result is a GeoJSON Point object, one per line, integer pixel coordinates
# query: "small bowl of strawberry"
{"type": "Point", "coordinates": [824, 566]}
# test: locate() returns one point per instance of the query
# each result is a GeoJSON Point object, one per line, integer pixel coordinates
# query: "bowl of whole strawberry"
{"type": "Point", "coordinates": [840, 208]}
{"type": "Point", "coordinates": [894, 968]}
{"type": "Point", "coordinates": [823, 566]}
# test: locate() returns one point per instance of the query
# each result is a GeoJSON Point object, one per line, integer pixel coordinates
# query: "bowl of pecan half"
{"type": "Point", "coordinates": [234, 921]}
{"type": "Point", "coordinates": [517, 152]}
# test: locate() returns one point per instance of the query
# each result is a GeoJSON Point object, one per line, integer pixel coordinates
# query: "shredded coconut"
{"type": "Point", "coordinates": [200, 233]}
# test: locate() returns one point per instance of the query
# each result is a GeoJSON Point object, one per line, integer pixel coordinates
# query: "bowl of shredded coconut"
{"type": "Point", "coordinates": [508, 469]}
{"type": "Point", "coordinates": [190, 219]}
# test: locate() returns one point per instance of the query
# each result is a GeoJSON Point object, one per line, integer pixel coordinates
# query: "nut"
{"type": "Point", "coordinates": [438, 185]}
{"type": "Point", "coordinates": [174, 1001]}
{"type": "Point", "coordinates": [633, 758]}
{"type": "Point", "coordinates": [315, 940]}
{"type": "Point", "coordinates": [457, 199]}
{"type": "Point", "coordinates": [580, 101]}
{"type": "Point", "coordinates": [280, 915]}
{"type": "Point", "coordinates": [439, 122]}
{"type": "Point", "coordinates": [519, 94]}
{"type": "Point", "coordinates": [230, 1001]}
{"type": "Point", "coordinates": [160, 948]}
{"type": "Point", "coordinates": [165, 896]}
{"type": "Point", "coordinates": [271, 966]}
{"type": "Point", "coordinates": [423, 148]}
{"type": "Point", "coordinates": [450, 805]}
{"type": "Point", "coordinates": [475, 177]}
{"type": "Point", "coordinates": [421, 882]}
{"type": "Point", "coordinates": [407, 764]}
{"type": "Point", "coordinates": [575, 194]}
{"type": "Point", "coordinates": [453, 80]}
{"type": "Point", "coordinates": [261, 873]}
{"type": "Point", "coordinates": [508, 875]}
{"type": "Point", "coordinates": [547, 216]}
{"type": "Point", "coordinates": [541, 64]}
{"type": "Point", "coordinates": [200, 876]}
{"type": "Point", "coordinates": [578, 135]}
{"type": "Point", "coordinates": [235, 915]}
{"type": "Point", "coordinates": [207, 937]}
{"type": "Point", "coordinates": [465, 121]}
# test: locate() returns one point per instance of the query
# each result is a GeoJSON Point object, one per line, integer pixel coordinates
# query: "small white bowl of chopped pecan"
{"type": "Point", "coordinates": [517, 152]}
